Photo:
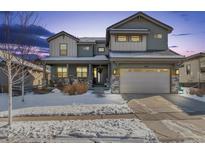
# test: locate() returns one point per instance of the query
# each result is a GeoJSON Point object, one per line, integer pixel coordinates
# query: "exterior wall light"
{"type": "Point", "coordinates": [177, 72]}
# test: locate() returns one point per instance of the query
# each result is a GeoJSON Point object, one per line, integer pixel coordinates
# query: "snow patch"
{"type": "Point", "coordinates": [186, 93]}
{"type": "Point", "coordinates": [46, 130]}
{"type": "Point", "coordinates": [98, 109]}
{"type": "Point", "coordinates": [60, 99]}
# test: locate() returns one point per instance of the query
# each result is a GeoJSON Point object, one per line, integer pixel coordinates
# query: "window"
{"type": "Point", "coordinates": [121, 38]}
{"type": "Point", "coordinates": [86, 48]}
{"type": "Point", "coordinates": [63, 49]}
{"type": "Point", "coordinates": [136, 38]}
{"type": "Point", "coordinates": [62, 72]}
{"type": "Point", "coordinates": [158, 36]}
{"type": "Point", "coordinates": [81, 72]}
{"type": "Point", "coordinates": [101, 49]}
{"type": "Point", "coordinates": [188, 69]}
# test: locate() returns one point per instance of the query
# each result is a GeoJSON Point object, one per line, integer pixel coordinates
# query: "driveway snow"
{"type": "Point", "coordinates": [45, 131]}
{"type": "Point", "coordinates": [59, 99]}
{"type": "Point", "coordinates": [186, 93]}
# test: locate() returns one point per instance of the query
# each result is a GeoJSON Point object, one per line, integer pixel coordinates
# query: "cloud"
{"type": "Point", "coordinates": [173, 46]}
{"type": "Point", "coordinates": [182, 34]}
{"type": "Point", "coordinates": [34, 35]}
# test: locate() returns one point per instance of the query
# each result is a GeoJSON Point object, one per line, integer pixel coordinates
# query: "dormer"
{"type": "Point", "coordinates": [63, 44]}
{"type": "Point", "coordinates": [138, 32]}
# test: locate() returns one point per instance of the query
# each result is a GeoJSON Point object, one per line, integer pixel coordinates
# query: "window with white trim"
{"type": "Point", "coordinates": [136, 38]}
{"type": "Point", "coordinates": [63, 49]}
{"type": "Point", "coordinates": [62, 72]}
{"type": "Point", "coordinates": [158, 36]}
{"type": "Point", "coordinates": [101, 49]}
{"type": "Point", "coordinates": [121, 38]}
{"type": "Point", "coordinates": [82, 72]}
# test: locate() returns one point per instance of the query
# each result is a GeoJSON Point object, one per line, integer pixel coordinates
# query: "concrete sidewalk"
{"type": "Point", "coordinates": [168, 121]}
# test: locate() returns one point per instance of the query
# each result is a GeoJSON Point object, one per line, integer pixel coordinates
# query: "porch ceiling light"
{"type": "Point", "coordinates": [114, 71]}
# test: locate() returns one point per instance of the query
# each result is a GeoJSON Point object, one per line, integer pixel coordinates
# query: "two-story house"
{"type": "Point", "coordinates": [133, 57]}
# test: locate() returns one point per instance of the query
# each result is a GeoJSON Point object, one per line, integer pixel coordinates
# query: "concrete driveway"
{"type": "Point", "coordinates": [173, 118]}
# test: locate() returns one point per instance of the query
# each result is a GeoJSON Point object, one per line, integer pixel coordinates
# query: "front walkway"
{"type": "Point", "coordinates": [168, 119]}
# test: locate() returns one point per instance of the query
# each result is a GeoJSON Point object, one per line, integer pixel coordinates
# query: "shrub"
{"type": "Point", "coordinates": [75, 88]}
{"type": "Point", "coordinates": [69, 89]}
{"type": "Point", "coordinates": [81, 88]}
{"type": "Point", "coordinates": [197, 91]}
{"type": "Point", "coordinates": [43, 90]}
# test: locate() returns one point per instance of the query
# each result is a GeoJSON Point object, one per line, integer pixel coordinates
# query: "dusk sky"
{"type": "Point", "coordinates": [188, 36]}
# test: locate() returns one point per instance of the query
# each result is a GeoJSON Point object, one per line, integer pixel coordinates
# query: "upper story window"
{"type": "Point", "coordinates": [63, 49]}
{"type": "Point", "coordinates": [122, 38]}
{"type": "Point", "coordinates": [158, 36]}
{"type": "Point", "coordinates": [86, 48]}
{"type": "Point", "coordinates": [188, 69]}
{"type": "Point", "coordinates": [136, 38]}
{"type": "Point", "coordinates": [101, 49]}
{"type": "Point", "coordinates": [62, 72]}
{"type": "Point", "coordinates": [82, 72]}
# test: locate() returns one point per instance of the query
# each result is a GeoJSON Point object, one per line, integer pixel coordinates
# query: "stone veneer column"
{"type": "Point", "coordinates": [90, 76]}
{"type": "Point", "coordinates": [45, 82]}
{"type": "Point", "coordinates": [115, 79]}
{"type": "Point", "coordinates": [174, 81]}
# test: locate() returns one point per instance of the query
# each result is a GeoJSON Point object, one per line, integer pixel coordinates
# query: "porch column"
{"type": "Point", "coordinates": [90, 76]}
{"type": "Point", "coordinates": [44, 75]}
{"type": "Point", "coordinates": [108, 74]}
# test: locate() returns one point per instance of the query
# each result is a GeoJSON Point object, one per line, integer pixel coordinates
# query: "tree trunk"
{"type": "Point", "coordinates": [22, 87]}
{"type": "Point", "coordinates": [10, 103]}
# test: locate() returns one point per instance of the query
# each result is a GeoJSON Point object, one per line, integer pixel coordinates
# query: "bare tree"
{"type": "Point", "coordinates": [15, 67]}
{"type": "Point", "coordinates": [25, 20]}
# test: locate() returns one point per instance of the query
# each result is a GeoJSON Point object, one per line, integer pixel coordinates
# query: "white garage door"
{"type": "Point", "coordinates": [138, 80]}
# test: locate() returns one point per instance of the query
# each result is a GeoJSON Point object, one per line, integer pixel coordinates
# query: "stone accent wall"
{"type": "Point", "coordinates": [115, 84]}
{"type": "Point", "coordinates": [174, 84]}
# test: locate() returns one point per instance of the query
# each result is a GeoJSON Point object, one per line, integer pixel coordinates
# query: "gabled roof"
{"type": "Point", "coordinates": [60, 34]}
{"type": "Point", "coordinates": [91, 39]}
{"type": "Point", "coordinates": [157, 22]}
{"type": "Point", "coordinates": [198, 55]}
{"type": "Point", "coordinates": [145, 55]}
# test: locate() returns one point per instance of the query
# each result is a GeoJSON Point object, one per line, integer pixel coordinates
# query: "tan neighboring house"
{"type": "Point", "coordinates": [192, 71]}
{"type": "Point", "coordinates": [35, 77]}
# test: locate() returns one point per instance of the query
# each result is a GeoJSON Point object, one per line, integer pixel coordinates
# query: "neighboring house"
{"type": "Point", "coordinates": [133, 58]}
{"type": "Point", "coordinates": [192, 71]}
{"type": "Point", "coordinates": [34, 78]}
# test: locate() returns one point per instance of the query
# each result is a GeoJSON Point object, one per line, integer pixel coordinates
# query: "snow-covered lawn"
{"type": "Point", "coordinates": [59, 99]}
{"type": "Point", "coordinates": [45, 131]}
{"type": "Point", "coordinates": [185, 93]}
{"type": "Point", "coordinates": [60, 104]}
{"type": "Point", "coordinates": [92, 109]}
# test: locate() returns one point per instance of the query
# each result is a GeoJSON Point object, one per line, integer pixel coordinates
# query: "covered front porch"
{"type": "Point", "coordinates": [93, 70]}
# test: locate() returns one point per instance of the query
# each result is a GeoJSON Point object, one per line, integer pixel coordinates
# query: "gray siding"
{"type": "Point", "coordinates": [85, 53]}
{"type": "Point", "coordinates": [128, 46]}
{"type": "Point", "coordinates": [54, 46]}
{"type": "Point", "coordinates": [152, 43]}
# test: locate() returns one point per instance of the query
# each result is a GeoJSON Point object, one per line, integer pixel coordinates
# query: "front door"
{"type": "Point", "coordinates": [97, 75]}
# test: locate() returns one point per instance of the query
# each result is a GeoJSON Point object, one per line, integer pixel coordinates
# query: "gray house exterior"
{"type": "Point", "coordinates": [133, 57]}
